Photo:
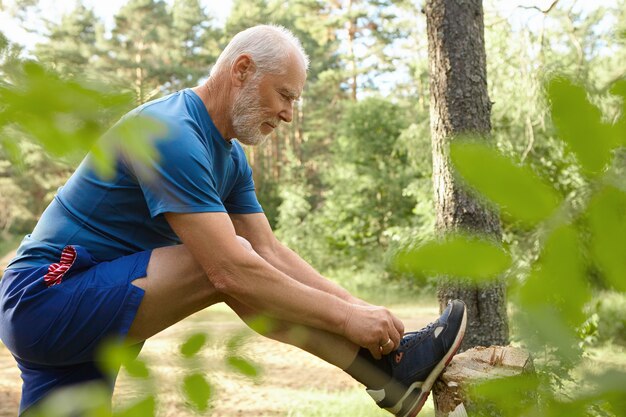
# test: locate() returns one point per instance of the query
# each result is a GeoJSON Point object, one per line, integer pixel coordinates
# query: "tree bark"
{"type": "Point", "coordinates": [460, 105]}
{"type": "Point", "coordinates": [352, 29]}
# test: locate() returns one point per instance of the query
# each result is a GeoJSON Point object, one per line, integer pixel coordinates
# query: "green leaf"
{"type": "Point", "coordinates": [137, 368]}
{"type": "Point", "coordinates": [193, 344]}
{"type": "Point", "coordinates": [553, 297]}
{"type": "Point", "coordinates": [242, 366]}
{"type": "Point", "coordinates": [197, 390]}
{"type": "Point", "coordinates": [142, 408]}
{"type": "Point", "coordinates": [607, 219]}
{"type": "Point", "coordinates": [518, 191]}
{"type": "Point", "coordinates": [459, 256]}
{"type": "Point", "coordinates": [132, 137]}
{"type": "Point", "coordinates": [512, 395]}
{"type": "Point", "coordinates": [67, 117]}
{"type": "Point", "coordinates": [103, 162]}
{"type": "Point", "coordinates": [262, 324]}
{"type": "Point", "coordinates": [114, 354]}
{"type": "Point", "coordinates": [580, 125]}
{"type": "Point", "coordinates": [558, 277]}
{"type": "Point", "coordinates": [111, 356]}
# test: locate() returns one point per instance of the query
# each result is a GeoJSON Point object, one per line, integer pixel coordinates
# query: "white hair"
{"type": "Point", "coordinates": [268, 45]}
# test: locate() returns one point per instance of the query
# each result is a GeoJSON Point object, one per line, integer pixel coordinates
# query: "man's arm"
{"type": "Point", "coordinates": [256, 229]}
{"type": "Point", "coordinates": [238, 273]}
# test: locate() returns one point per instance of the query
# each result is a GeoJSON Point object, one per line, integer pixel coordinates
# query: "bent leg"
{"type": "Point", "coordinates": [330, 347]}
{"type": "Point", "coordinates": [176, 286]}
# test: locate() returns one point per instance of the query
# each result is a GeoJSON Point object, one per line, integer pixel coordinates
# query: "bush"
{"type": "Point", "coordinates": [372, 283]}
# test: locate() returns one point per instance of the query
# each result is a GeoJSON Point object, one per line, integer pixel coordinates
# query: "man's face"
{"type": "Point", "coordinates": [266, 101]}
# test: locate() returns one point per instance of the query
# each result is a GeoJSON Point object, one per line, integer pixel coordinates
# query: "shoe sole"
{"type": "Point", "coordinates": [418, 398]}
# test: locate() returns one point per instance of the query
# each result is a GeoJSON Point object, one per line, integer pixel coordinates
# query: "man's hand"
{"type": "Point", "coordinates": [372, 327]}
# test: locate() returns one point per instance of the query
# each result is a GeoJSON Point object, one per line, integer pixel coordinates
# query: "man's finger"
{"type": "Point", "coordinates": [399, 326]}
{"type": "Point", "coordinates": [388, 347]}
{"type": "Point", "coordinates": [375, 351]}
{"type": "Point", "coordinates": [395, 340]}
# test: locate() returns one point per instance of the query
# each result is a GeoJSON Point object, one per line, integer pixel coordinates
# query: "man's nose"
{"type": "Point", "coordinates": [286, 114]}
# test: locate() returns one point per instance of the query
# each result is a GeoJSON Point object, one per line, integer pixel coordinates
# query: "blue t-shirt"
{"type": "Point", "coordinates": [193, 170]}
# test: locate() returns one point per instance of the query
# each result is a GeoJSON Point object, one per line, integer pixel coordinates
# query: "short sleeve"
{"type": "Point", "coordinates": [242, 199]}
{"type": "Point", "coordinates": [178, 177]}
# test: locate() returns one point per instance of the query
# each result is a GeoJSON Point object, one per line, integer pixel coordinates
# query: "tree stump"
{"type": "Point", "coordinates": [451, 392]}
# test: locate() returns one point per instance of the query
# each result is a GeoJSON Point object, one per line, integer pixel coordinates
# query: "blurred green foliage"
{"type": "Point", "coordinates": [476, 258]}
{"type": "Point", "coordinates": [516, 189]}
{"type": "Point", "coordinates": [94, 399]}
{"type": "Point", "coordinates": [197, 390]}
{"type": "Point", "coordinates": [550, 300]}
{"type": "Point", "coordinates": [65, 116]}
{"type": "Point", "coordinates": [193, 344]}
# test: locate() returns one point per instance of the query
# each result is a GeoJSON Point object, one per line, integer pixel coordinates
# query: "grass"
{"type": "Point", "coordinates": [348, 403]}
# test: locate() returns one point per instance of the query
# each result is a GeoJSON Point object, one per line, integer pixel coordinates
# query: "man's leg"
{"type": "Point", "coordinates": [330, 347]}
{"type": "Point", "coordinates": [176, 287]}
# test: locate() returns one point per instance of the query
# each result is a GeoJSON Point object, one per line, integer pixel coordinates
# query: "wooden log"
{"type": "Point", "coordinates": [451, 393]}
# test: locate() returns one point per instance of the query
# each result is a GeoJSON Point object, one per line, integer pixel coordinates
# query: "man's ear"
{"type": "Point", "coordinates": [242, 68]}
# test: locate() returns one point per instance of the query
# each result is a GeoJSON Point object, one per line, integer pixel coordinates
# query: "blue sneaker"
{"type": "Point", "coordinates": [419, 360]}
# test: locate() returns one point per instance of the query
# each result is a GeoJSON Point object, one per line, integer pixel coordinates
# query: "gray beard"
{"type": "Point", "coordinates": [246, 116]}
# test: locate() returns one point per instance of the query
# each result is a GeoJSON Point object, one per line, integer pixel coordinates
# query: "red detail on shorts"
{"type": "Point", "coordinates": [57, 270]}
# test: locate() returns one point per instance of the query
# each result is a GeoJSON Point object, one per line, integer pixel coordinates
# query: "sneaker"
{"type": "Point", "coordinates": [419, 360]}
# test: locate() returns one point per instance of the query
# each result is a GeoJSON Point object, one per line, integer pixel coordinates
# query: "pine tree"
{"type": "Point", "coordinates": [460, 105]}
{"type": "Point", "coordinates": [194, 43]}
{"type": "Point", "coordinates": [70, 47]}
{"type": "Point", "coordinates": [138, 56]}
{"type": "Point", "coordinates": [367, 28]}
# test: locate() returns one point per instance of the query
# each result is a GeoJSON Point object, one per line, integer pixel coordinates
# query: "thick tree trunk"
{"type": "Point", "coordinates": [460, 105]}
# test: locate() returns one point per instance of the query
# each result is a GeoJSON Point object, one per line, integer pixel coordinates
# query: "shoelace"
{"type": "Point", "coordinates": [411, 338]}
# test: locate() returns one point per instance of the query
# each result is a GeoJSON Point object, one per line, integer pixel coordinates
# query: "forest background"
{"type": "Point", "coordinates": [348, 184]}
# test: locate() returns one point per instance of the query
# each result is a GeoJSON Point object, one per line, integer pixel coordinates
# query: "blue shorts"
{"type": "Point", "coordinates": [53, 317]}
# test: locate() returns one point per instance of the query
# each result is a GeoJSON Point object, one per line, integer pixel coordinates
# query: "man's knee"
{"type": "Point", "coordinates": [244, 242]}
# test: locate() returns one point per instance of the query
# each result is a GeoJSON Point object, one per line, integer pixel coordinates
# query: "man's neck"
{"type": "Point", "coordinates": [216, 98]}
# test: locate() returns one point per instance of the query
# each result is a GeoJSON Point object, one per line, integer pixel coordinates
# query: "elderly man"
{"type": "Point", "coordinates": [131, 254]}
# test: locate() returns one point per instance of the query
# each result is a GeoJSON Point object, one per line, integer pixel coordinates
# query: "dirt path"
{"type": "Point", "coordinates": [286, 371]}
{"type": "Point", "coordinates": [10, 381]}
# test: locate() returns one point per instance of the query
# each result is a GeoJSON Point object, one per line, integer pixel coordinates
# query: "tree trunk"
{"type": "Point", "coordinates": [460, 105]}
{"type": "Point", "coordinates": [352, 29]}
